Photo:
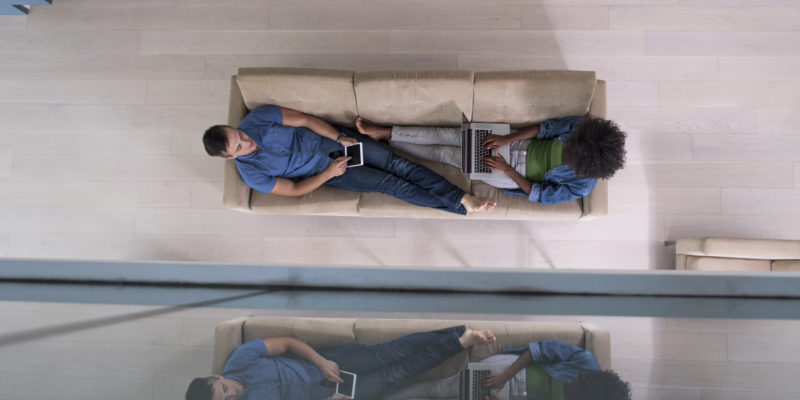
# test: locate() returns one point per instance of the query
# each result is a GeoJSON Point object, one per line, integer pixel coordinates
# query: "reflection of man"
{"type": "Point", "coordinates": [545, 370]}
{"type": "Point", "coordinates": [289, 153]}
{"type": "Point", "coordinates": [289, 369]}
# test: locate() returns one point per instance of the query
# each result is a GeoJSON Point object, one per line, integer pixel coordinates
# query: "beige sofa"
{"type": "Point", "coordinates": [329, 332]}
{"type": "Point", "coordinates": [726, 254]}
{"type": "Point", "coordinates": [423, 98]}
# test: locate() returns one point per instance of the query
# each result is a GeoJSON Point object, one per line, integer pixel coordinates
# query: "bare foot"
{"type": "Point", "coordinates": [472, 337]}
{"type": "Point", "coordinates": [377, 133]}
{"type": "Point", "coordinates": [477, 204]}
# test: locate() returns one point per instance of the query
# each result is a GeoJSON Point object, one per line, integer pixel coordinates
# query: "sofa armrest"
{"type": "Point", "coordinates": [598, 106]}
{"type": "Point", "coordinates": [598, 342]}
{"type": "Point", "coordinates": [235, 194]}
{"type": "Point", "coordinates": [227, 337]}
{"type": "Point", "coordinates": [595, 204]}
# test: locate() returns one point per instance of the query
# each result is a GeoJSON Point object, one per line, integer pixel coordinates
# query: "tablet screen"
{"type": "Point", "coordinates": [354, 151]}
{"type": "Point", "coordinates": [348, 387]}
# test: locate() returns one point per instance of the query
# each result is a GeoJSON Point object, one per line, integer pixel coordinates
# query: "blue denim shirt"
{"type": "Point", "coordinates": [562, 361]}
{"type": "Point", "coordinates": [284, 151]}
{"type": "Point", "coordinates": [559, 184]}
{"type": "Point", "coordinates": [264, 377]}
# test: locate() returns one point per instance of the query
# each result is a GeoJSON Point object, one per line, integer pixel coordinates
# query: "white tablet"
{"type": "Point", "coordinates": [348, 387]}
{"type": "Point", "coordinates": [354, 151]}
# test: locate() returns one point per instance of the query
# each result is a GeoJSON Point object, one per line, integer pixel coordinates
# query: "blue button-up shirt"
{"type": "Point", "coordinates": [559, 184]}
{"type": "Point", "coordinates": [562, 361]}
{"type": "Point", "coordinates": [284, 151]}
{"type": "Point", "coordinates": [263, 377]}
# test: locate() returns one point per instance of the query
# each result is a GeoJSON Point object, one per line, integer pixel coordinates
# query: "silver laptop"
{"type": "Point", "coordinates": [471, 381]}
{"type": "Point", "coordinates": [472, 150]}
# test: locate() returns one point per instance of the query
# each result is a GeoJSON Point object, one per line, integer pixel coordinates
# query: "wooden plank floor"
{"type": "Point", "coordinates": [103, 102]}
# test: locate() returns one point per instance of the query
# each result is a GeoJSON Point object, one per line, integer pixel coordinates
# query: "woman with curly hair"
{"type": "Point", "coordinates": [553, 162]}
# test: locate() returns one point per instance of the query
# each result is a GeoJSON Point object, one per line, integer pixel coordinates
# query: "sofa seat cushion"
{"type": "Point", "coordinates": [326, 200]}
{"type": "Point", "coordinates": [375, 331]}
{"type": "Point", "coordinates": [522, 98]}
{"type": "Point", "coordinates": [726, 264]}
{"type": "Point", "coordinates": [421, 98]}
{"type": "Point", "coordinates": [327, 94]}
{"type": "Point", "coordinates": [382, 205]}
{"type": "Point", "coordinates": [786, 266]}
{"type": "Point", "coordinates": [519, 207]}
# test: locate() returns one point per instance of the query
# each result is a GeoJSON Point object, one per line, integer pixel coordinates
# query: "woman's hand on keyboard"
{"type": "Point", "coordinates": [496, 162]}
{"type": "Point", "coordinates": [495, 141]}
{"type": "Point", "coordinates": [495, 380]}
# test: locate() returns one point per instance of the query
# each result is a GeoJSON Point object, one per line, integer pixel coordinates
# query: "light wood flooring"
{"type": "Point", "coordinates": [103, 103]}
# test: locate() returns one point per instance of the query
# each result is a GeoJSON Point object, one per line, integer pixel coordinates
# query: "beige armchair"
{"type": "Point", "coordinates": [728, 254]}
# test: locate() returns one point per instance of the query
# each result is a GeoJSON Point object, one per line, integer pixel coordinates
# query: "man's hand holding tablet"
{"type": "Point", "coordinates": [355, 151]}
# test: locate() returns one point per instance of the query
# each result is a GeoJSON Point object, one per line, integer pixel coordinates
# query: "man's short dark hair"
{"type": "Point", "coordinates": [215, 140]}
{"type": "Point", "coordinates": [598, 385]}
{"type": "Point", "coordinates": [200, 388]}
{"type": "Point", "coordinates": [596, 148]}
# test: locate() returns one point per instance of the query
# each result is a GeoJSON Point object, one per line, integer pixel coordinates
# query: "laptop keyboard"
{"type": "Point", "coordinates": [480, 151]}
{"type": "Point", "coordinates": [478, 391]}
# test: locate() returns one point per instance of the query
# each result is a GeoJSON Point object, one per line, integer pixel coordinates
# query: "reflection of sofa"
{"type": "Point", "coordinates": [721, 254]}
{"type": "Point", "coordinates": [521, 98]}
{"type": "Point", "coordinates": [328, 332]}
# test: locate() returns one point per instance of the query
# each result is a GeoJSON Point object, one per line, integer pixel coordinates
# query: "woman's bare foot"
{"type": "Point", "coordinates": [472, 337]}
{"type": "Point", "coordinates": [477, 204]}
{"type": "Point", "coordinates": [377, 133]}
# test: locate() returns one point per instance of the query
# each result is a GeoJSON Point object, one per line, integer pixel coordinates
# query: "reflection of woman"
{"type": "Point", "coordinates": [552, 162]}
{"type": "Point", "coordinates": [545, 370]}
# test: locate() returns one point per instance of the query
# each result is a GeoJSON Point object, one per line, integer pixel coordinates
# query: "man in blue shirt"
{"type": "Point", "coordinates": [286, 368]}
{"type": "Point", "coordinates": [553, 162]}
{"type": "Point", "coordinates": [289, 153]}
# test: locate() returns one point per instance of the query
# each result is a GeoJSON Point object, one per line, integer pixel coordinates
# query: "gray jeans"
{"type": "Point", "coordinates": [444, 145]}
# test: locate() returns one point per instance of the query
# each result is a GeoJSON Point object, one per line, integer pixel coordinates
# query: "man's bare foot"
{"type": "Point", "coordinates": [377, 133]}
{"type": "Point", "coordinates": [472, 337]}
{"type": "Point", "coordinates": [477, 204]}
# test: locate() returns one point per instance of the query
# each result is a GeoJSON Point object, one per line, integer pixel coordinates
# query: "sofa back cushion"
{"type": "Point", "coordinates": [422, 98]}
{"type": "Point", "coordinates": [763, 249]}
{"type": "Point", "coordinates": [325, 93]}
{"type": "Point", "coordinates": [522, 98]}
{"type": "Point", "coordinates": [704, 263]}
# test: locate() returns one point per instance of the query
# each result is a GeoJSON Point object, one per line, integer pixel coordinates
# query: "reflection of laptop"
{"type": "Point", "coordinates": [471, 381]}
{"type": "Point", "coordinates": [472, 150]}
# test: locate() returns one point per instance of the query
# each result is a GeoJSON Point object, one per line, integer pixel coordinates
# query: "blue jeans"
{"type": "Point", "coordinates": [383, 366]}
{"type": "Point", "coordinates": [386, 172]}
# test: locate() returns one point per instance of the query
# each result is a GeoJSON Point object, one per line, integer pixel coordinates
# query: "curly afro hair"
{"type": "Point", "coordinates": [598, 385]}
{"type": "Point", "coordinates": [596, 148]}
